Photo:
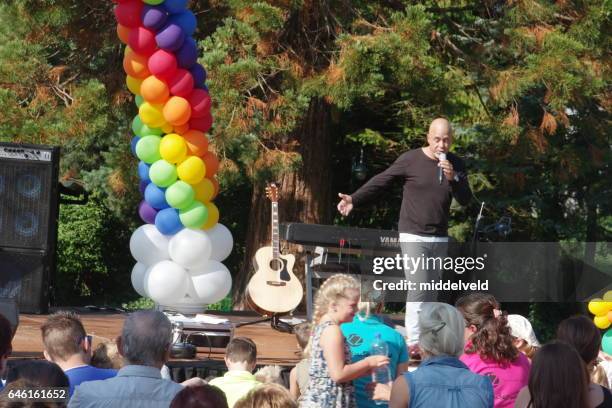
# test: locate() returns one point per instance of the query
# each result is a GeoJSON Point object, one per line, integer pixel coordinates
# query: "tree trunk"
{"type": "Point", "coordinates": [305, 194]}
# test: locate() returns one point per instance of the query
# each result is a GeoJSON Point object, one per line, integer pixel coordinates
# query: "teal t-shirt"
{"type": "Point", "coordinates": [360, 334]}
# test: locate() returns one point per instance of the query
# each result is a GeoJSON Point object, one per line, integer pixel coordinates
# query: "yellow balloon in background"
{"type": "Point", "coordinates": [173, 148]}
{"type": "Point", "coordinates": [602, 322]}
{"type": "Point", "coordinates": [166, 127]}
{"type": "Point", "coordinates": [133, 84]}
{"type": "Point", "coordinates": [598, 307]}
{"type": "Point", "coordinates": [204, 190]}
{"type": "Point", "coordinates": [191, 170]}
{"type": "Point", "coordinates": [608, 296]}
{"type": "Point", "coordinates": [213, 216]}
{"type": "Point", "coordinates": [151, 115]}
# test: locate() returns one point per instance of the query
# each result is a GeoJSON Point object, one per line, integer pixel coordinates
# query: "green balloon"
{"type": "Point", "coordinates": [606, 341]}
{"type": "Point", "coordinates": [147, 131]}
{"type": "Point", "coordinates": [153, 2]}
{"type": "Point", "coordinates": [180, 195]}
{"type": "Point", "coordinates": [139, 100]}
{"type": "Point", "coordinates": [147, 149]}
{"type": "Point", "coordinates": [162, 173]}
{"type": "Point", "coordinates": [136, 125]}
{"type": "Point", "coordinates": [194, 216]}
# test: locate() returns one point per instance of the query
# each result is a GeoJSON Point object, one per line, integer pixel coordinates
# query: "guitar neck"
{"type": "Point", "coordinates": [275, 233]}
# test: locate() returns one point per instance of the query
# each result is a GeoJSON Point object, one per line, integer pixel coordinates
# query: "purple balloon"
{"type": "Point", "coordinates": [146, 212]}
{"type": "Point", "coordinates": [154, 17]}
{"type": "Point", "coordinates": [186, 20]}
{"type": "Point", "coordinates": [170, 38]}
{"type": "Point", "coordinates": [187, 55]}
{"type": "Point", "coordinates": [199, 75]}
{"type": "Point", "coordinates": [142, 186]}
{"type": "Point", "coordinates": [175, 6]}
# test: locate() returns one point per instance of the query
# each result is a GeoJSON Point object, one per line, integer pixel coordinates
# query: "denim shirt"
{"type": "Point", "coordinates": [445, 382]}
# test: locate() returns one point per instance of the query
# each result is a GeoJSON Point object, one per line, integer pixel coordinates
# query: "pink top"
{"type": "Point", "coordinates": [507, 380]}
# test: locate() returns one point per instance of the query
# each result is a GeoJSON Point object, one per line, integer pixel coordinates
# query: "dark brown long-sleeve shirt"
{"type": "Point", "coordinates": [425, 203]}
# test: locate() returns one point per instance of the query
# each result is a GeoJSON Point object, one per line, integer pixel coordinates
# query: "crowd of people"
{"type": "Point", "coordinates": [471, 355]}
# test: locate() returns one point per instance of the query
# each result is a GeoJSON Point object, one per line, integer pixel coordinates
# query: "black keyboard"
{"type": "Point", "coordinates": [333, 236]}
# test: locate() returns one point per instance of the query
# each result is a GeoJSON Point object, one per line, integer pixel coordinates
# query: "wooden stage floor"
{"type": "Point", "coordinates": [273, 347]}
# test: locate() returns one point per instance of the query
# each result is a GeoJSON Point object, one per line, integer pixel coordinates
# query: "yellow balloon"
{"type": "Point", "coordinates": [166, 127]}
{"type": "Point", "coordinates": [608, 296]}
{"type": "Point", "coordinates": [151, 115]}
{"type": "Point", "coordinates": [173, 148]}
{"type": "Point", "coordinates": [127, 49]}
{"type": "Point", "coordinates": [598, 307]}
{"type": "Point", "coordinates": [602, 322]}
{"type": "Point", "coordinates": [213, 216]}
{"type": "Point", "coordinates": [204, 190]}
{"type": "Point", "coordinates": [133, 84]}
{"type": "Point", "coordinates": [191, 170]}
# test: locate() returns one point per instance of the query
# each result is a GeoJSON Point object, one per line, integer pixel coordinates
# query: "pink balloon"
{"type": "Point", "coordinates": [202, 124]}
{"type": "Point", "coordinates": [181, 83]}
{"type": "Point", "coordinates": [128, 13]}
{"type": "Point", "coordinates": [200, 103]}
{"type": "Point", "coordinates": [142, 41]}
{"type": "Point", "coordinates": [162, 64]}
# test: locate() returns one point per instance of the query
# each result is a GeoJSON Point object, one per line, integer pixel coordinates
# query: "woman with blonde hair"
{"type": "Point", "coordinates": [269, 395]}
{"type": "Point", "coordinates": [331, 371]}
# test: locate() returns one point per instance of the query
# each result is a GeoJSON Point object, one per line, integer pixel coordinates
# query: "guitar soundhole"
{"type": "Point", "coordinates": [276, 264]}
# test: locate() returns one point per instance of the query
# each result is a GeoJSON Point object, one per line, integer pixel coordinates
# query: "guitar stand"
{"type": "Point", "coordinates": [275, 323]}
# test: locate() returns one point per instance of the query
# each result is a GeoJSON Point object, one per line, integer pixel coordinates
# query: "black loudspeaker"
{"type": "Point", "coordinates": [29, 207]}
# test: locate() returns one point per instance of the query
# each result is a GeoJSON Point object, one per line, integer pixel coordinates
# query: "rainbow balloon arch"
{"type": "Point", "coordinates": [180, 248]}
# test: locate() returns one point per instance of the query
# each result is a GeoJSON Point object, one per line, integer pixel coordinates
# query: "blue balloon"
{"type": "Point", "coordinates": [199, 75]}
{"type": "Point", "coordinates": [135, 140]}
{"type": "Point", "coordinates": [168, 222]}
{"type": "Point", "coordinates": [175, 6]}
{"type": "Point", "coordinates": [187, 55]}
{"type": "Point", "coordinates": [156, 197]}
{"type": "Point", "coordinates": [143, 171]}
{"type": "Point", "coordinates": [171, 37]}
{"type": "Point", "coordinates": [186, 20]}
{"type": "Point", "coordinates": [142, 186]}
{"type": "Point", "coordinates": [153, 17]}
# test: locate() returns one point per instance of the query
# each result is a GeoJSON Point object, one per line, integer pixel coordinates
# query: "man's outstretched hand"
{"type": "Point", "coordinates": [346, 204]}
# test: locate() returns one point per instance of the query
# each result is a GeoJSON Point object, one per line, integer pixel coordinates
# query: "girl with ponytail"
{"type": "Point", "coordinates": [489, 348]}
{"type": "Point", "coordinates": [330, 370]}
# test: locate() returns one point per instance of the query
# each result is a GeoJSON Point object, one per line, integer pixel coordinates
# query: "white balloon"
{"type": "Point", "coordinates": [139, 272]}
{"type": "Point", "coordinates": [189, 247]}
{"type": "Point", "coordinates": [148, 245]}
{"type": "Point", "coordinates": [212, 281]}
{"type": "Point", "coordinates": [222, 242]}
{"type": "Point", "coordinates": [166, 281]}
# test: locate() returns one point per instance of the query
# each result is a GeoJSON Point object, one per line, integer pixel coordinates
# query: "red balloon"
{"type": "Point", "coordinates": [128, 13]}
{"type": "Point", "coordinates": [200, 103]}
{"type": "Point", "coordinates": [211, 162]}
{"type": "Point", "coordinates": [202, 124]}
{"type": "Point", "coordinates": [142, 41]}
{"type": "Point", "coordinates": [163, 64]}
{"type": "Point", "coordinates": [181, 83]}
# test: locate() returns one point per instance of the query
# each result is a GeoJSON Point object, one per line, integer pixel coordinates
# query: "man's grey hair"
{"type": "Point", "coordinates": [442, 329]}
{"type": "Point", "coordinates": [146, 337]}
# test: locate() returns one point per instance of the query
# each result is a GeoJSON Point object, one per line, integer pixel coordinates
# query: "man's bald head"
{"type": "Point", "coordinates": [441, 125]}
{"type": "Point", "coordinates": [439, 137]}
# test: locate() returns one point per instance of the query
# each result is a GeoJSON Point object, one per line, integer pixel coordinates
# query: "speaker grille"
{"type": "Point", "coordinates": [25, 194]}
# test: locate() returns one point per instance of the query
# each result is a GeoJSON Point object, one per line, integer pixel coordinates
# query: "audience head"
{"type": "Point", "coordinates": [201, 396]}
{"type": "Point", "coordinates": [270, 374]}
{"type": "Point", "coordinates": [39, 373]}
{"type": "Point", "coordinates": [6, 337]}
{"type": "Point", "coordinates": [64, 336]}
{"type": "Point", "coordinates": [302, 334]}
{"type": "Point", "coordinates": [267, 396]}
{"type": "Point", "coordinates": [487, 332]}
{"type": "Point", "coordinates": [145, 338]}
{"type": "Point", "coordinates": [581, 333]}
{"type": "Point", "coordinates": [106, 355]}
{"type": "Point", "coordinates": [338, 296]}
{"type": "Point", "coordinates": [442, 328]}
{"type": "Point", "coordinates": [241, 353]}
{"type": "Point", "coordinates": [558, 378]}
{"type": "Point", "coordinates": [7, 402]}
{"type": "Point", "coordinates": [524, 337]}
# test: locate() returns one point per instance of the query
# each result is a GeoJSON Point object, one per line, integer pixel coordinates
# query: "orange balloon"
{"type": "Point", "coordinates": [135, 65]}
{"type": "Point", "coordinates": [154, 90]}
{"type": "Point", "coordinates": [215, 183]}
{"type": "Point", "coordinates": [177, 111]}
{"type": "Point", "coordinates": [123, 33]}
{"type": "Point", "coordinates": [204, 190]}
{"type": "Point", "coordinates": [197, 142]}
{"type": "Point", "coordinates": [181, 129]}
{"type": "Point", "coordinates": [167, 128]}
{"type": "Point", "coordinates": [213, 216]}
{"type": "Point", "coordinates": [212, 163]}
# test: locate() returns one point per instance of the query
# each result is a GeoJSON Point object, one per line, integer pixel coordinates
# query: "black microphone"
{"type": "Point", "coordinates": [441, 157]}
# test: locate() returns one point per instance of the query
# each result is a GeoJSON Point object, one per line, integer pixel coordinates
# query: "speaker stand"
{"type": "Point", "coordinates": [275, 323]}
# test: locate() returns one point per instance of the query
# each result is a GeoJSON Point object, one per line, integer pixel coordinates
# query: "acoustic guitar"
{"type": "Point", "coordinates": [273, 289]}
